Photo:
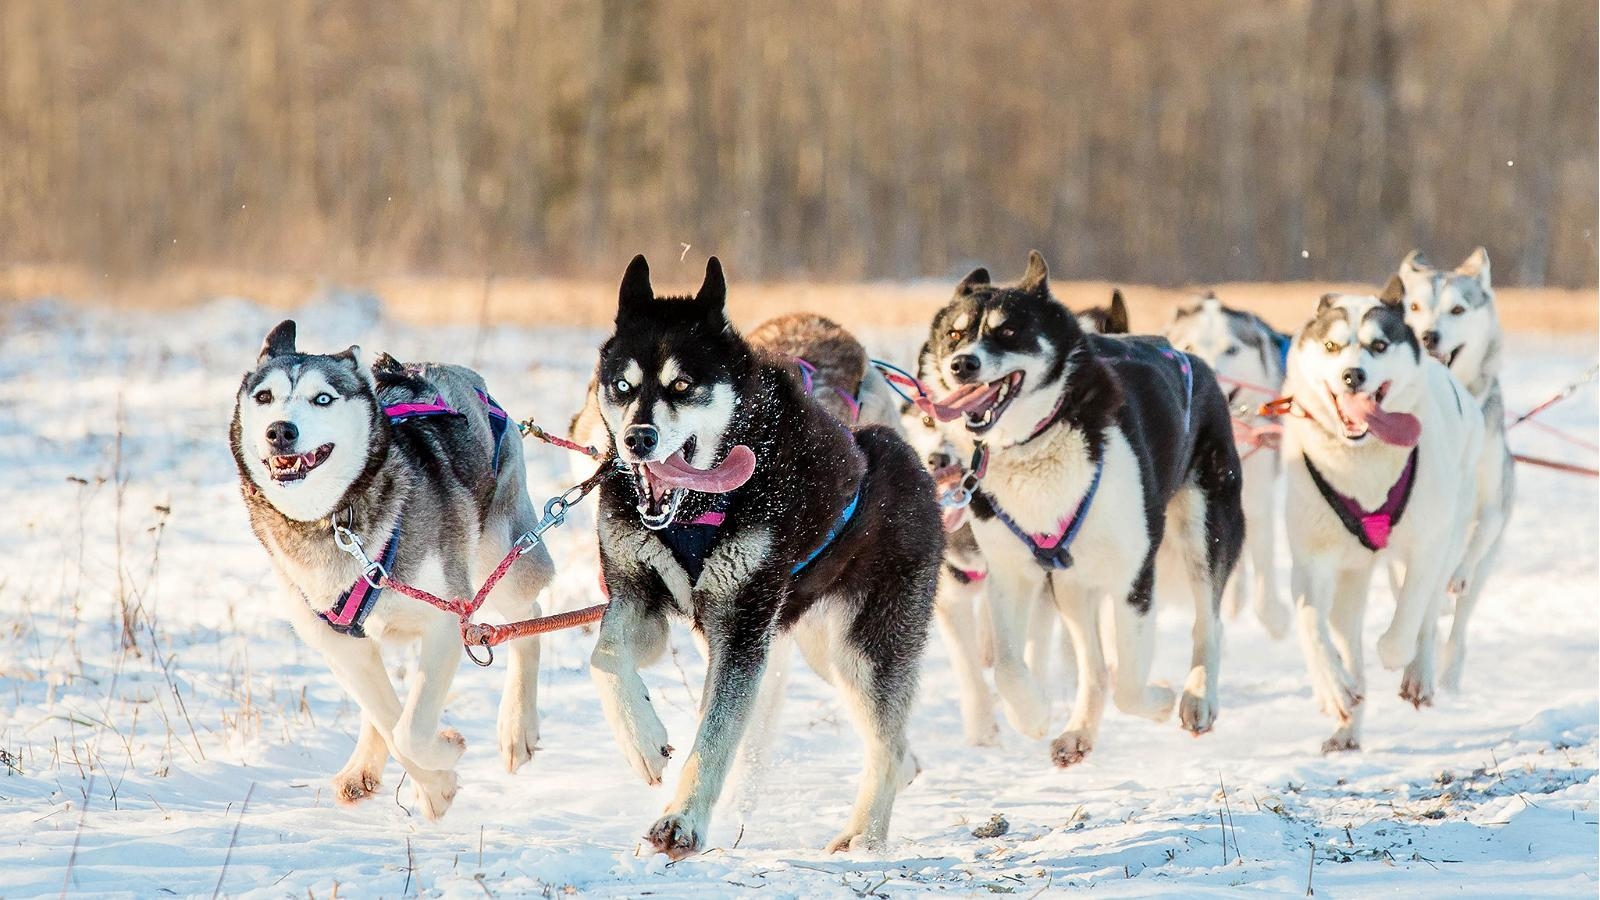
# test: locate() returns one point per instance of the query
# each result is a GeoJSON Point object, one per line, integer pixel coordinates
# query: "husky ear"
{"type": "Point", "coordinates": [1037, 279]}
{"type": "Point", "coordinates": [1117, 320]}
{"type": "Point", "coordinates": [1414, 262]}
{"type": "Point", "coordinates": [975, 279]}
{"type": "Point", "coordinates": [713, 293]}
{"type": "Point", "coordinates": [1326, 301]}
{"type": "Point", "coordinates": [636, 290]}
{"type": "Point", "coordinates": [1394, 293]}
{"type": "Point", "coordinates": [353, 357]}
{"type": "Point", "coordinates": [1476, 266]}
{"type": "Point", "coordinates": [280, 340]}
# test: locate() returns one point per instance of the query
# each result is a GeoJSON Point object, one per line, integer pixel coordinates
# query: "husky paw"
{"type": "Point", "coordinates": [1395, 650]}
{"type": "Point", "coordinates": [438, 752]}
{"type": "Point", "coordinates": [856, 841]}
{"type": "Point", "coordinates": [1416, 687]}
{"type": "Point", "coordinates": [352, 786]}
{"type": "Point", "coordinates": [519, 739]}
{"type": "Point", "coordinates": [1197, 712]}
{"type": "Point", "coordinates": [1154, 702]}
{"type": "Point", "coordinates": [649, 752]}
{"type": "Point", "coordinates": [674, 835]}
{"type": "Point", "coordinates": [1274, 617]}
{"type": "Point", "coordinates": [1071, 747]}
{"type": "Point", "coordinates": [435, 793]}
{"type": "Point", "coordinates": [1343, 741]}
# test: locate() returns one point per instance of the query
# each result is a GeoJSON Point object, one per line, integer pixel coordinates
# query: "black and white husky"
{"type": "Point", "coordinates": [1377, 441]}
{"type": "Point", "coordinates": [1249, 358]}
{"type": "Point", "coordinates": [962, 617]}
{"type": "Point", "coordinates": [1453, 314]}
{"type": "Point", "coordinates": [406, 467]}
{"type": "Point", "coordinates": [748, 510]}
{"type": "Point", "coordinates": [1093, 455]}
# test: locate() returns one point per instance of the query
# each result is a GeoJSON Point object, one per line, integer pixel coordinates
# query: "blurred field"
{"type": "Point", "coordinates": [424, 300]}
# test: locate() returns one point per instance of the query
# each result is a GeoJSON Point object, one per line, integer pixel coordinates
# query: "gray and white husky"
{"type": "Point", "coordinates": [747, 509]}
{"type": "Point", "coordinates": [436, 497]}
{"type": "Point", "coordinates": [1102, 453]}
{"type": "Point", "coordinates": [1376, 442]}
{"type": "Point", "coordinates": [1453, 314]}
{"type": "Point", "coordinates": [1248, 356]}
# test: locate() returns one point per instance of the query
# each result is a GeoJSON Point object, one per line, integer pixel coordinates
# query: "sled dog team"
{"type": "Point", "coordinates": [774, 491]}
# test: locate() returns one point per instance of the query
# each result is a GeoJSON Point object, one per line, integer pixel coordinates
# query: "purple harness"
{"type": "Point", "coordinates": [1370, 528]}
{"type": "Point", "coordinates": [498, 419]}
{"type": "Point", "coordinates": [808, 374]}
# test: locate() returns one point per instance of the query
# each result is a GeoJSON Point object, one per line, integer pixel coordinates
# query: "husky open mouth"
{"type": "Point", "coordinates": [983, 403]}
{"type": "Point", "coordinates": [1363, 413]}
{"type": "Point", "coordinates": [288, 469]}
{"type": "Point", "coordinates": [663, 483]}
{"type": "Point", "coordinates": [1447, 358]}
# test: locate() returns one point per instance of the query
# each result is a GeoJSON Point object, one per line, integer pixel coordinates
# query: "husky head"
{"type": "Point", "coordinates": [1005, 350]}
{"type": "Point", "coordinates": [668, 379]}
{"type": "Point", "coordinates": [1357, 369]}
{"type": "Point", "coordinates": [1109, 319]}
{"type": "Point", "coordinates": [924, 436]}
{"type": "Point", "coordinates": [304, 424]}
{"type": "Point", "coordinates": [1237, 345]}
{"type": "Point", "coordinates": [1453, 312]}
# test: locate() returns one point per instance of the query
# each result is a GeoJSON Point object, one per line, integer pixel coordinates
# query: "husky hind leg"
{"type": "Point", "coordinates": [1135, 627]}
{"type": "Point", "coordinates": [1010, 598]}
{"type": "Point", "coordinates": [1482, 549]}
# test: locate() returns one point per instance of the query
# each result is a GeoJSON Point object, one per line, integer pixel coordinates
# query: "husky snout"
{"type": "Point", "coordinates": [1353, 378]}
{"type": "Point", "coordinates": [641, 441]}
{"type": "Point", "coordinates": [281, 436]}
{"type": "Point", "coordinates": [964, 367]}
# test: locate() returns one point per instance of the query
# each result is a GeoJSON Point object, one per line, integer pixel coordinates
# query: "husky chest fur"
{"type": "Point", "coordinates": [412, 462]}
{"type": "Point", "coordinates": [746, 508]}
{"type": "Point", "coordinates": [1100, 452]}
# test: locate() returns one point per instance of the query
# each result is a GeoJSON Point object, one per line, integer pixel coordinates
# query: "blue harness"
{"type": "Point", "coordinates": [1282, 342]}
{"type": "Point", "coordinates": [693, 540]}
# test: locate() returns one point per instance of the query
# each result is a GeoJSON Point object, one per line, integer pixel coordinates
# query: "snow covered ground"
{"type": "Point", "coordinates": [201, 762]}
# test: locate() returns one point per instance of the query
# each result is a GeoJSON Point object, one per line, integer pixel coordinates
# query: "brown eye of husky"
{"type": "Point", "coordinates": [927, 421]}
{"type": "Point", "coordinates": [1006, 331]}
{"type": "Point", "coordinates": [680, 386]}
{"type": "Point", "coordinates": [1378, 346]}
{"type": "Point", "coordinates": [1416, 307]}
{"type": "Point", "coordinates": [953, 335]}
{"type": "Point", "coordinates": [263, 397]}
{"type": "Point", "coordinates": [1330, 346]}
{"type": "Point", "coordinates": [1457, 310]}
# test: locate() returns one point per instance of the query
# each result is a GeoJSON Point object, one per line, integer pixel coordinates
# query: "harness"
{"type": "Point", "coordinates": [1282, 343]}
{"type": "Point", "coordinates": [691, 541]}
{"type": "Point", "coordinates": [808, 375]}
{"type": "Point", "coordinates": [1054, 550]}
{"type": "Point", "coordinates": [499, 421]}
{"type": "Point", "coordinates": [351, 609]}
{"type": "Point", "coordinates": [966, 576]}
{"type": "Point", "coordinates": [1370, 528]}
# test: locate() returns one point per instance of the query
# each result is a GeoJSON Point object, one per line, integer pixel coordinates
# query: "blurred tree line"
{"type": "Point", "coordinates": [1138, 140]}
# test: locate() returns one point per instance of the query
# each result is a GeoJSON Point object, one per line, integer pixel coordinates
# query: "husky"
{"type": "Point", "coordinates": [744, 507]}
{"type": "Point", "coordinates": [831, 366]}
{"type": "Point", "coordinates": [408, 467]}
{"type": "Point", "coordinates": [1373, 428]}
{"type": "Point", "coordinates": [1092, 455]}
{"type": "Point", "coordinates": [1248, 357]}
{"type": "Point", "coordinates": [1454, 316]}
{"type": "Point", "coordinates": [963, 621]}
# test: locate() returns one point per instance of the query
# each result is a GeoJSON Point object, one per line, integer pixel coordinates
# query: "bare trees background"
{"type": "Point", "coordinates": [1149, 140]}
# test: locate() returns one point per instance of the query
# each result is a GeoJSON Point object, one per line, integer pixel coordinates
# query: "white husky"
{"type": "Point", "coordinates": [1453, 314]}
{"type": "Point", "coordinates": [1376, 428]}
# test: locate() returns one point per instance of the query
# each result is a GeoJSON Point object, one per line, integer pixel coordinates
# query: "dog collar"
{"type": "Point", "coordinates": [1370, 528]}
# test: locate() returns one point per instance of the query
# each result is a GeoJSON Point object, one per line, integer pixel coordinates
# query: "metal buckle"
{"type": "Point", "coordinates": [372, 571]}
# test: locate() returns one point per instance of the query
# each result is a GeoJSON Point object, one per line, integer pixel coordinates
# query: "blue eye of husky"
{"type": "Point", "coordinates": [322, 399]}
{"type": "Point", "coordinates": [622, 386]}
{"type": "Point", "coordinates": [263, 397]}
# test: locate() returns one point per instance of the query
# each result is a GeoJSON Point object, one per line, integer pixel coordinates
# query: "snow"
{"type": "Point", "coordinates": [144, 774]}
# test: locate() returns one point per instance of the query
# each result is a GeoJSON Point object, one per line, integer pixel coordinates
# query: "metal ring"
{"type": "Point", "coordinates": [485, 663]}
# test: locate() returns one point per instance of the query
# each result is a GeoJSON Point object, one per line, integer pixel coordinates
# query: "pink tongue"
{"type": "Point", "coordinates": [1399, 429]}
{"type": "Point", "coordinates": [733, 471]}
{"type": "Point", "coordinates": [956, 403]}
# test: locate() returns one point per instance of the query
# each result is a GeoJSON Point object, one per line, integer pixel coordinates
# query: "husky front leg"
{"type": "Point", "coordinates": [517, 598]}
{"type": "Point", "coordinates": [1469, 580]}
{"type": "Point", "coordinates": [1081, 614]}
{"type": "Point", "coordinates": [955, 610]}
{"type": "Point", "coordinates": [738, 632]}
{"type": "Point", "coordinates": [1318, 584]}
{"type": "Point", "coordinates": [631, 636]}
{"type": "Point", "coordinates": [1012, 592]}
{"type": "Point", "coordinates": [1261, 539]}
{"type": "Point", "coordinates": [362, 775]}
